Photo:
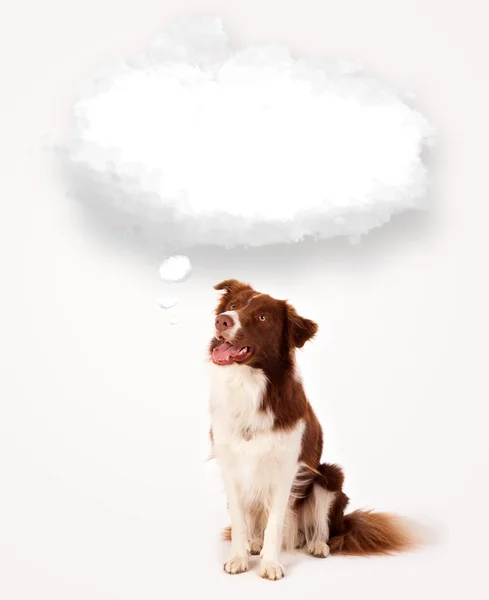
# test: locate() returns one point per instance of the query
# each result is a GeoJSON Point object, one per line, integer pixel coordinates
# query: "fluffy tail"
{"type": "Point", "coordinates": [366, 532]}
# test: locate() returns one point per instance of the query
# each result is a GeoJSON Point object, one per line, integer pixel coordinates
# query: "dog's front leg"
{"type": "Point", "coordinates": [238, 559]}
{"type": "Point", "coordinates": [270, 567]}
{"type": "Point", "coordinates": [256, 523]}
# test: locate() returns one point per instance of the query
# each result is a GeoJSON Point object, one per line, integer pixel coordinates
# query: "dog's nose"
{"type": "Point", "coordinates": [224, 322]}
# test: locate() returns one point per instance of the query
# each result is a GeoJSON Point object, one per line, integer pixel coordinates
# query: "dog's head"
{"type": "Point", "coordinates": [255, 329]}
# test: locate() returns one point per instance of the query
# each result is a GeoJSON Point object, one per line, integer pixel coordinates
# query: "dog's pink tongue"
{"type": "Point", "coordinates": [224, 353]}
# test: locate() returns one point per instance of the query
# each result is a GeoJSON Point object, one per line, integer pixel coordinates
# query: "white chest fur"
{"type": "Point", "coordinates": [236, 395]}
{"type": "Point", "coordinates": [246, 447]}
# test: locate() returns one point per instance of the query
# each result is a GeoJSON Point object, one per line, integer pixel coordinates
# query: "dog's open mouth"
{"type": "Point", "coordinates": [226, 353]}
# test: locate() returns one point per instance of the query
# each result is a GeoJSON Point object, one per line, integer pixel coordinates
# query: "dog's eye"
{"type": "Point", "coordinates": [233, 306]}
{"type": "Point", "coordinates": [262, 317]}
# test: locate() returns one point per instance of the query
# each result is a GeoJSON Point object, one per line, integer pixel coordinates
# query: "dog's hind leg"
{"type": "Point", "coordinates": [314, 521]}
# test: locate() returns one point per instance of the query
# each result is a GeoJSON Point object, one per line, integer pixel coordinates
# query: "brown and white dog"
{"type": "Point", "coordinates": [268, 443]}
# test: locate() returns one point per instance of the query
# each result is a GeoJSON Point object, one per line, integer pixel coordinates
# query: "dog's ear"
{"type": "Point", "coordinates": [300, 330]}
{"type": "Point", "coordinates": [230, 286]}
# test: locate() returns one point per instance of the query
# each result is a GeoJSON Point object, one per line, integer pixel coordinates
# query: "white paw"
{"type": "Point", "coordinates": [236, 564]}
{"type": "Point", "coordinates": [271, 570]}
{"type": "Point", "coordinates": [319, 549]}
{"type": "Point", "coordinates": [256, 546]}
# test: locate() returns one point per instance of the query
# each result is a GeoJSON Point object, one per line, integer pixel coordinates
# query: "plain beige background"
{"type": "Point", "coordinates": [104, 488]}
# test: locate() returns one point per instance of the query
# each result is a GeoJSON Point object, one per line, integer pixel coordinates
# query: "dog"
{"type": "Point", "coordinates": [268, 443]}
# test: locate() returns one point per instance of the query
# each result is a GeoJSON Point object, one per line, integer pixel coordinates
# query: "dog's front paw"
{"type": "Point", "coordinates": [256, 546]}
{"type": "Point", "coordinates": [319, 549]}
{"type": "Point", "coordinates": [271, 570]}
{"type": "Point", "coordinates": [236, 564]}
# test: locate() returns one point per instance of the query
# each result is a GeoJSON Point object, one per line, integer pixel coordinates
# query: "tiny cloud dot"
{"type": "Point", "coordinates": [175, 269]}
{"type": "Point", "coordinates": [167, 302]}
